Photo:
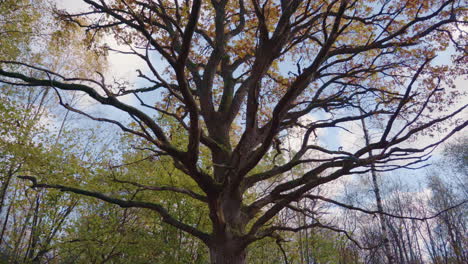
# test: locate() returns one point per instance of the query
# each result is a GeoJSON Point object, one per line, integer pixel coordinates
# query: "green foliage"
{"type": "Point", "coordinates": [105, 232]}
{"type": "Point", "coordinates": [17, 18]}
{"type": "Point", "coordinates": [317, 246]}
{"type": "Point", "coordinates": [32, 220]}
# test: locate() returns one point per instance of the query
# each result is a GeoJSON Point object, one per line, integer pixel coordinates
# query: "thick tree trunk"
{"type": "Point", "coordinates": [226, 244]}
{"type": "Point", "coordinates": [227, 253]}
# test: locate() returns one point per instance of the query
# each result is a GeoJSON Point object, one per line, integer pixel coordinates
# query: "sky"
{"type": "Point", "coordinates": [121, 66]}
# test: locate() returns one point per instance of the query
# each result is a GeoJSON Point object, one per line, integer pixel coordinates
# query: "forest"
{"type": "Point", "coordinates": [234, 131]}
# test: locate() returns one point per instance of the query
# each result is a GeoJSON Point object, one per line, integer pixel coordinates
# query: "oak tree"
{"type": "Point", "coordinates": [234, 76]}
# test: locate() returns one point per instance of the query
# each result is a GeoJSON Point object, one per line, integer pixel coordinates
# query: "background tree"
{"type": "Point", "coordinates": [236, 75]}
{"type": "Point", "coordinates": [447, 183]}
{"type": "Point", "coordinates": [428, 231]}
{"type": "Point", "coordinates": [31, 220]}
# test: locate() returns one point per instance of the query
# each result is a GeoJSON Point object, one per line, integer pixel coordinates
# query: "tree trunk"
{"type": "Point", "coordinates": [4, 187]}
{"type": "Point", "coordinates": [226, 252]}
{"type": "Point", "coordinates": [378, 199]}
{"type": "Point", "coordinates": [227, 245]}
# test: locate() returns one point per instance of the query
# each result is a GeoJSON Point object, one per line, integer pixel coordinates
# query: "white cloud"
{"type": "Point", "coordinates": [121, 66]}
{"type": "Point", "coordinates": [72, 5]}
{"type": "Point", "coordinates": [351, 138]}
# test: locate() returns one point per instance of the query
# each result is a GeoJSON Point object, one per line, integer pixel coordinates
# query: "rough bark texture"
{"type": "Point", "coordinates": [227, 252]}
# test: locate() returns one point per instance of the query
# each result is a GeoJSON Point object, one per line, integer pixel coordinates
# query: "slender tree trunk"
{"type": "Point", "coordinates": [4, 188]}
{"type": "Point", "coordinates": [12, 169]}
{"type": "Point", "coordinates": [431, 247]}
{"type": "Point", "coordinates": [301, 250]}
{"type": "Point", "coordinates": [34, 233]}
{"type": "Point", "coordinates": [7, 216]}
{"type": "Point", "coordinates": [378, 199]}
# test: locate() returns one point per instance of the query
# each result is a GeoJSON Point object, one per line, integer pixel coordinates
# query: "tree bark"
{"type": "Point", "coordinates": [4, 187]}
{"type": "Point", "coordinates": [227, 252]}
{"type": "Point", "coordinates": [226, 243]}
{"type": "Point", "coordinates": [378, 199]}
